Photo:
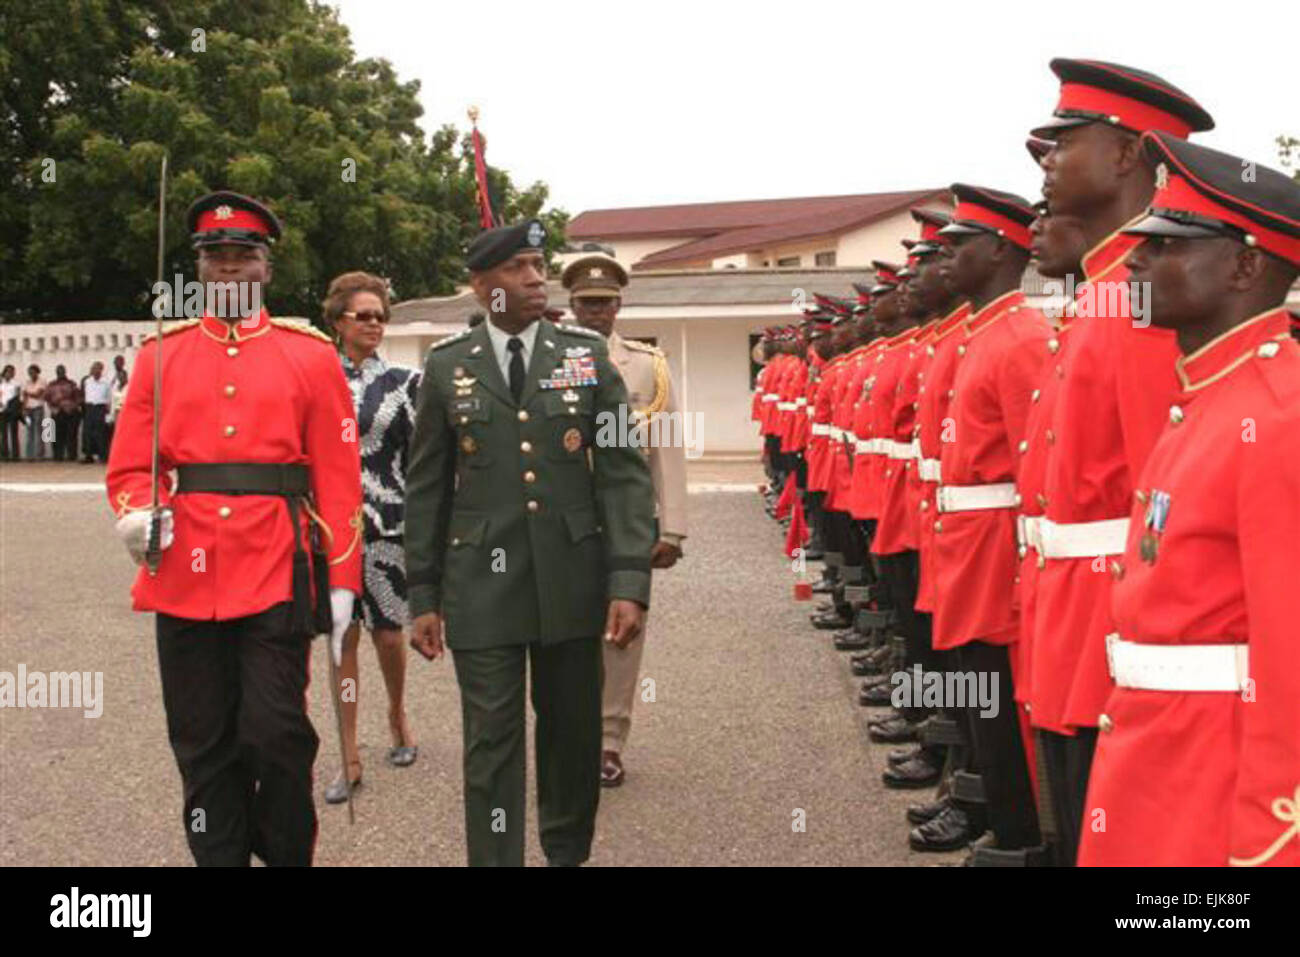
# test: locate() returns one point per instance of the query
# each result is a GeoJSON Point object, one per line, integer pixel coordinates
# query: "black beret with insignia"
{"type": "Point", "coordinates": [492, 247]}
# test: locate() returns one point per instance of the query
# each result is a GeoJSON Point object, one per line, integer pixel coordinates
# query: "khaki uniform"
{"type": "Point", "coordinates": [649, 386]}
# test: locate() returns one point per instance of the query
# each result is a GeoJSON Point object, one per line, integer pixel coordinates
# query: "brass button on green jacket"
{"type": "Point", "coordinates": [520, 525]}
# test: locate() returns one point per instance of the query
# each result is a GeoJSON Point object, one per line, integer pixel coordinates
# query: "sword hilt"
{"type": "Point", "coordinates": [153, 551]}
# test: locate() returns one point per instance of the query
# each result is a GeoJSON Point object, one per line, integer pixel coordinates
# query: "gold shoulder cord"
{"type": "Point", "coordinates": [661, 387]}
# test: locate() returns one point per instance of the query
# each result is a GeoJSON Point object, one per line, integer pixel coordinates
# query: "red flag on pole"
{"type": "Point", "coordinates": [485, 217]}
{"type": "Point", "coordinates": [797, 535]}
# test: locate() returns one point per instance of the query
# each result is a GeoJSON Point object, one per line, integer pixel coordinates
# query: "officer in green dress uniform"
{"type": "Point", "coordinates": [529, 527]}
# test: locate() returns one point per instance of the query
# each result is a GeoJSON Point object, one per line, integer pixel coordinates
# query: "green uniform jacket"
{"type": "Point", "coordinates": [520, 525]}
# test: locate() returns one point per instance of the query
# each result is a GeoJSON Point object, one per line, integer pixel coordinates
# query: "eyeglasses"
{"type": "Point", "coordinates": [368, 315]}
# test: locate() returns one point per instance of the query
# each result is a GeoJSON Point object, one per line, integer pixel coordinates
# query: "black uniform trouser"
{"type": "Point", "coordinates": [999, 751]}
{"type": "Point", "coordinates": [65, 435]}
{"type": "Point", "coordinates": [566, 685]}
{"type": "Point", "coordinates": [1067, 762]}
{"type": "Point", "coordinates": [235, 693]}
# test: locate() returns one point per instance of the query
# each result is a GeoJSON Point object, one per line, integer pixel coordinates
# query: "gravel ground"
{"type": "Point", "coordinates": [755, 717]}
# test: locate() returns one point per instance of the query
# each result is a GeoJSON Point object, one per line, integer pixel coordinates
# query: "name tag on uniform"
{"type": "Point", "coordinates": [462, 406]}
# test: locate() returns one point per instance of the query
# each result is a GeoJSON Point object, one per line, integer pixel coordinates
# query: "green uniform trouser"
{"type": "Point", "coordinates": [566, 679]}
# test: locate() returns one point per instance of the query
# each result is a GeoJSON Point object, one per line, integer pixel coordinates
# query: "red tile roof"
{"type": "Point", "coordinates": [708, 219]}
{"type": "Point", "coordinates": [848, 212]}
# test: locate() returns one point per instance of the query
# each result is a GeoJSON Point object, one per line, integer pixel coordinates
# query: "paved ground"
{"type": "Point", "coordinates": [754, 719]}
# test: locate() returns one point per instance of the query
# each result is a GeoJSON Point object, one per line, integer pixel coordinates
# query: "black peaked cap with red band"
{"type": "Point", "coordinates": [1093, 91]}
{"type": "Point", "coordinates": [1201, 192]}
{"type": "Point", "coordinates": [1038, 148]}
{"type": "Point", "coordinates": [886, 277]}
{"type": "Point", "coordinates": [983, 210]}
{"type": "Point", "coordinates": [930, 221]}
{"type": "Point", "coordinates": [226, 217]}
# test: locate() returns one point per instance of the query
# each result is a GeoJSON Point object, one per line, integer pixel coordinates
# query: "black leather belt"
{"type": "Point", "coordinates": [292, 483]}
{"type": "Point", "coordinates": [243, 478]}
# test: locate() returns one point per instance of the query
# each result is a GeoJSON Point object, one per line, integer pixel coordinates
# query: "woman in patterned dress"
{"type": "Point", "coordinates": [356, 311]}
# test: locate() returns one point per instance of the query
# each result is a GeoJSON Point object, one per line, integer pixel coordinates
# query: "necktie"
{"type": "Point", "coordinates": [516, 347]}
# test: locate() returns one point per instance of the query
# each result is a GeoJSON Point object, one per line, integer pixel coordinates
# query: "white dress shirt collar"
{"type": "Point", "coordinates": [499, 339]}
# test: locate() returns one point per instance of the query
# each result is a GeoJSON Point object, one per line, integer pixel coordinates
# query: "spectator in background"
{"type": "Point", "coordinates": [64, 399]}
{"type": "Point", "coordinates": [356, 314]}
{"type": "Point", "coordinates": [34, 410]}
{"type": "Point", "coordinates": [11, 410]}
{"type": "Point", "coordinates": [117, 395]}
{"type": "Point", "coordinates": [97, 390]}
{"type": "Point", "coordinates": [119, 369]}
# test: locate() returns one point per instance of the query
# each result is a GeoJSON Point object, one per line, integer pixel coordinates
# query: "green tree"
{"type": "Point", "coordinates": [264, 97]}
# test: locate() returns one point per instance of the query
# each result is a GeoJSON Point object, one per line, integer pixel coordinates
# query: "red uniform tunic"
{"type": "Point", "coordinates": [1208, 778]}
{"type": "Point", "coordinates": [1031, 478]}
{"type": "Point", "coordinates": [249, 392]}
{"type": "Point", "coordinates": [1119, 382]}
{"type": "Point", "coordinates": [862, 395]}
{"type": "Point", "coordinates": [898, 423]}
{"type": "Point", "coordinates": [841, 480]}
{"type": "Point", "coordinates": [935, 399]}
{"type": "Point", "coordinates": [975, 559]}
{"type": "Point", "coordinates": [879, 386]}
{"type": "Point", "coordinates": [802, 432]}
{"type": "Point", "coordinates": [789, 412]}
{"type": "Point", "coordinates": [819, 447]}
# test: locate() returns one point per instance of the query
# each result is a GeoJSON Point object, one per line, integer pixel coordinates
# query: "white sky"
{"type": "Point", "coordinates": [632, 104]}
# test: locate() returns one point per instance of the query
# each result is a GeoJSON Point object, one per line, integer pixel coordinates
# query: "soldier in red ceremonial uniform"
{"type": "Point", "coordinates": [997, 367]}
{"type": "Point", "coordinates": [1118, 381]}
{"type": "Point", "coordinates": [1198, 761]}
{"type": "Point", "coordinates": [261, 517]}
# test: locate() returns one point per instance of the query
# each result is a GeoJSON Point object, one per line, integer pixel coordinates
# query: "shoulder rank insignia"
{"type": "Point", "coordinates": [302, 326]}
{"type": "Point", "coordinates": [441, 343]}
{"type": "Point", "coordinates": [577, 330]}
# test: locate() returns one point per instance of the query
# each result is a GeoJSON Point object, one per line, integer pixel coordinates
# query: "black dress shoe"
{"type": "Point", "coordinates": [876, 695]}
{"type": "Point", "coordinates": [901, 756]}
{"type": "Point", "coordinates": [831, 621]}
{"type": "Point", "coordinates": [813, 554]}
{"type": "Point", "coordinates": [892, 732]}
{"type": "Point", "coordinates": [852, 641]}
{"type": "Point", "coordinates": [918, 814]}
{"type": "Point", "coordinates": [823, 587]}
{"type": "Point", "coordinates": [860, 666]}
{"type": "Point", "coordinates": [949, 830]}
{"type": "Point", "coordinates": [916, 773]}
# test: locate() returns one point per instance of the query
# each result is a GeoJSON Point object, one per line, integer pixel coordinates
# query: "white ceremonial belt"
{"type": "Point", "coordinates": [1177, 667]}
{"type": "Point", "coordinates": [785, 406]}
{"type": "Point", "coordinates": [821, 428]}
{"type": "Point", "coordinates": [1029, 532]}
{"type": "Point", "coordinates": [898, 450]}
{"type": "Point", "coordinates": [929, 470]}
{"type": "Point", "coordinates": [915, 449]}
{"type": "Point", "coordinates": [970, 498]}
{"type": "Point", "coordinates": [770, 397]}
{"type": "Point", "coordinates": [802, 400]}
{"type": "Point", "coordinates": [811, 411]}
{"type": "Point", "coordinates": [837, 434]}
{"type": "Point", "coordinates": [850, 437]}
{"type": "Point", "coordinates": [1083, 539]}
{"type": "Point", "coordinates": [862, 446]}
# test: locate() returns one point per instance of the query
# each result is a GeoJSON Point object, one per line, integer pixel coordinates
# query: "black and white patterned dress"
{"type": "Point", "coordinates": [384, 398]}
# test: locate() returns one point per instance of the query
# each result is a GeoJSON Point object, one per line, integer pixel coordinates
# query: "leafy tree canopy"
{"type": "Point", "coordinates": [264, 97]}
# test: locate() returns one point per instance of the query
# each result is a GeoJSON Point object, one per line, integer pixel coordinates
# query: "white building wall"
{"type": "Point", "coordinates": [74, 345]}
{"type": "Point", "coordinates": [626, 251]}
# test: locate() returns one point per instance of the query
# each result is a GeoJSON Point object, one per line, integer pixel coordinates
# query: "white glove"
{"type": "Point", "coordinates": [341, 600]}
{"type": "Point", "coordinates": [133, 529]}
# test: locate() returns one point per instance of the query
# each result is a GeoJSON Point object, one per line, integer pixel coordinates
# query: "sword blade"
{"type": "Point", "coordinates": [153, 554]}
